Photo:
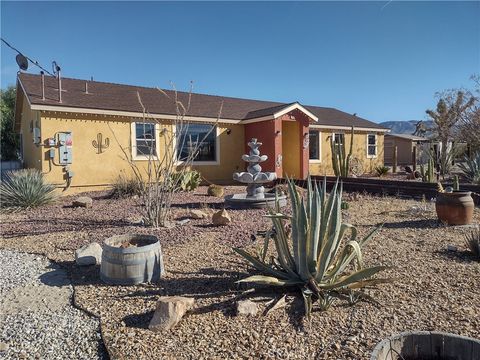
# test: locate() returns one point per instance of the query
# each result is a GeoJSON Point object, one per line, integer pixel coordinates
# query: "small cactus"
{"type": "Point", "coordinates": [456, 184]}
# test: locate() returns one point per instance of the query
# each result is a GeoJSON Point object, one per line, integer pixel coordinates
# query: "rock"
{"type": "Point", "coordinates": [3, 346]}
{"type": "Point", "coordinates": [215, 190]}
{"type": "Point", "coordinates": [169, 312]}
{"type": "Point", "coordinates": [90, 254]}
{"type": "Point", "coordinates": [83, 201]}
{"type": "Point", "coordinates": [183, 222]}
{"type": "Point", "coordinates": [451, 247]}
{"type": "Point", "coordinates": [221, 218]}
{"type": "Point", "coordinates": [197, 214]}
{"type": "Point", "coordinates": [247, 307]}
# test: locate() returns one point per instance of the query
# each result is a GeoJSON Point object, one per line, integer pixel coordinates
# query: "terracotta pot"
{"type": "Point", "coordinates": [455, 208]}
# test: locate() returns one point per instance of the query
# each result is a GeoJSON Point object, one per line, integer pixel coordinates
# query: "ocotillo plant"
{"type": "Point", "coordinates": [340, 160]}
{"type": "Point", "coordinates": [99, 145]}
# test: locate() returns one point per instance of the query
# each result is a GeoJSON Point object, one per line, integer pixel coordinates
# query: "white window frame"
{"type": "Point", "coordinates": [339, 133]}
{"type": "Point", "coordinates": [201, 163]}
{"type": "Point", "coordinates": [319, 160]}
{"type": "Point", "coordinates": [133, 137]}
{"type": "Point", "coordinates": [376, 146]}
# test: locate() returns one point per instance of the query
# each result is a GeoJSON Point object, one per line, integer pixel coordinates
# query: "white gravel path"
{"type": "Point", "coordinates": [37, 320]}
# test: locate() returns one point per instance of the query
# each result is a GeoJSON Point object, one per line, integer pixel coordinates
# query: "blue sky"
{"type": "Point", "coordinates": [384, 62]}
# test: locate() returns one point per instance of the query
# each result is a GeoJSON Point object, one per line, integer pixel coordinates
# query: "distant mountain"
{"type": "Point", "coordinates": [405, 127]}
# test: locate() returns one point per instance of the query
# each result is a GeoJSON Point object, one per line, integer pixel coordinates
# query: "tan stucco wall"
{"type": "Point", "coordinates": [31, 152]}
{"type": "Point", "coordinates": [93, 169]}
{"type": "Point", "coordinates": [324, 167]}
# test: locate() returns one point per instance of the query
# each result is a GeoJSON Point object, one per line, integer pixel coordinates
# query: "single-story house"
{"type": "Point", "coordinates": [77, 129]}
{"type": "Point", "coordinates": [405, 145]}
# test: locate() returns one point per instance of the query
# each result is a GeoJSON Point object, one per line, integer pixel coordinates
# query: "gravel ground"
{"type": "Point", "coordinates": [433, 289]}
{"type": "Point", "coordinates": [37, 320]}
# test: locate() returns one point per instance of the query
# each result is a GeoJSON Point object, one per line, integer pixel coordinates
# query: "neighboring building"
{"type": "Point", "coordinates": [405, 145]}
{"type": "Point", "coordinates": [62, 138]}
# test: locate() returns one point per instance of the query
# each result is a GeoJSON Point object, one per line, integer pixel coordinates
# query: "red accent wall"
{"type": "Point", "coordinates": [265, 131]}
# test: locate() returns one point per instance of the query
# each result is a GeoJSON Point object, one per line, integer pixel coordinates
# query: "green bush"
{"type": "Point", "coordinates": [471, 168]}
{"type": "Point", "coordinates": [320, 265]}
{"type": "Point", "coordinates": [187, 180]}
{"type": "Point", "coordinates": [26, 189]}
{"type": "Point", "coordinates": [381, 170]}
{"type": "Point", "coordinates": [124, 187]}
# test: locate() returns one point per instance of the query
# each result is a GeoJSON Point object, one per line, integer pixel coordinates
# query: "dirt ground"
{"type": "Point", "coordinates": [433, 288]}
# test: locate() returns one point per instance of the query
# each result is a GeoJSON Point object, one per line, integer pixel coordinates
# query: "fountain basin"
{"type": "Point", "coordinates": [242, 201]}
{"type": "Point", "coordinates": [260, 178]}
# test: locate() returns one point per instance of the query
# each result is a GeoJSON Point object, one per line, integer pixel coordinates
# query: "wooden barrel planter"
{"type": "Point", "coordinates": [426, 345]}
{"type": "Point", "coordinates": [131, 259]}
{"type": "Point", "coordinates": [455, 208]}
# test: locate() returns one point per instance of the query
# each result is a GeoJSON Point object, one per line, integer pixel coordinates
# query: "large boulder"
{"type": "Point", "coordinates": [90, 254]}
{"type": "Point", "coordinates": [83, 201]}
{"type": "Point", "coordinates": [221, 218]}
{"type": "Point", "coordinates": [169, 312]}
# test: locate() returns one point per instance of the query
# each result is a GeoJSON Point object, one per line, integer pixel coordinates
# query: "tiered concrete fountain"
{"type": "Point", "coordinates": [255, 178]}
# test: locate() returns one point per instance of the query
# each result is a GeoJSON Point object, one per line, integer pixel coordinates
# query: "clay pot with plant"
{"type": "Point", "coordinates": [453, 206]}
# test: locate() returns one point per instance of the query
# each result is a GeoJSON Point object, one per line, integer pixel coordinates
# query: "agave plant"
{"type": "Point", "coordinates": [472, 241]}
{"type": "Point", "coordinates": [24, 189]}
{"type": "Point", "coordinates": [471, 168]}
{"type": "Point", "coordinates": [312, 257]}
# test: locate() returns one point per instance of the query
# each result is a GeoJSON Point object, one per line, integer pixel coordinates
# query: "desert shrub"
{"type": "Point", "coordinates": [473, 242]}
{"type": "Point", "coordinates": [187, 180]}
{"type": "Point", "coordinates": [320, 265]}
{"type": "Point", "coordinates": [215, 190]}
{"type": "Point", "coordinates": [24, 189]}
{"type": "Point", "coordinates": [123, 187]}
{"type": "Point", "coordinates": [381, 170]}
{"type": "Point", "coordinates": [471, 168]}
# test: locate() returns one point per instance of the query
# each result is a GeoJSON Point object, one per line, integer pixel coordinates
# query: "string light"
{"type": "Point", "coordinates": [26, 57]}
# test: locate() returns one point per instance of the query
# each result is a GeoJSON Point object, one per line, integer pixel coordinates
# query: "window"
{"type": "Point", "coordinates": [201, 138]}
{"type": "Point", "coordinates": [314, 145]}
{"type": "Point", "coordinates": [339, 138]}
{"type": "Point", "coordinates": [371, 145]}
{"type": "Point", "coordinates": [145, 139]}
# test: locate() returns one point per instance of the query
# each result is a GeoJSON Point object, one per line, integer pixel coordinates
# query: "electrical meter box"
{"type": "Point", "coordinates": [65, 147]}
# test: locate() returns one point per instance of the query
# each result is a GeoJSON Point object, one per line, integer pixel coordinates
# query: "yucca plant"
{"type": "Point", "coordinates": [312, 257]}
{"type": "Point", "coordinates": [471, 168]}
{"type": "Point", "coordinates": [24, 189]}
{"type": "Point", "coordinates": [472, 241]}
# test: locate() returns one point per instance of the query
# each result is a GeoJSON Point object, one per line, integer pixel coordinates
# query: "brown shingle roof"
{"type": "Point", "coordinates": [108, 96]}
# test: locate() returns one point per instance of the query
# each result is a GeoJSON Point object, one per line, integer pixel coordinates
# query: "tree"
{"type": "Point", "coordinates": [451, 107]}
{"type": "Point", "coordinates": [9, 146]}
{"type": "Point", "coordinates": [470, 120]}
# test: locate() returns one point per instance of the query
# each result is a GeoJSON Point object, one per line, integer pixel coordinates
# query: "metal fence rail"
{"type": "Point", "coordinates": [6, 166]}
{"type": "Point", "coordinates": [389, 187]}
